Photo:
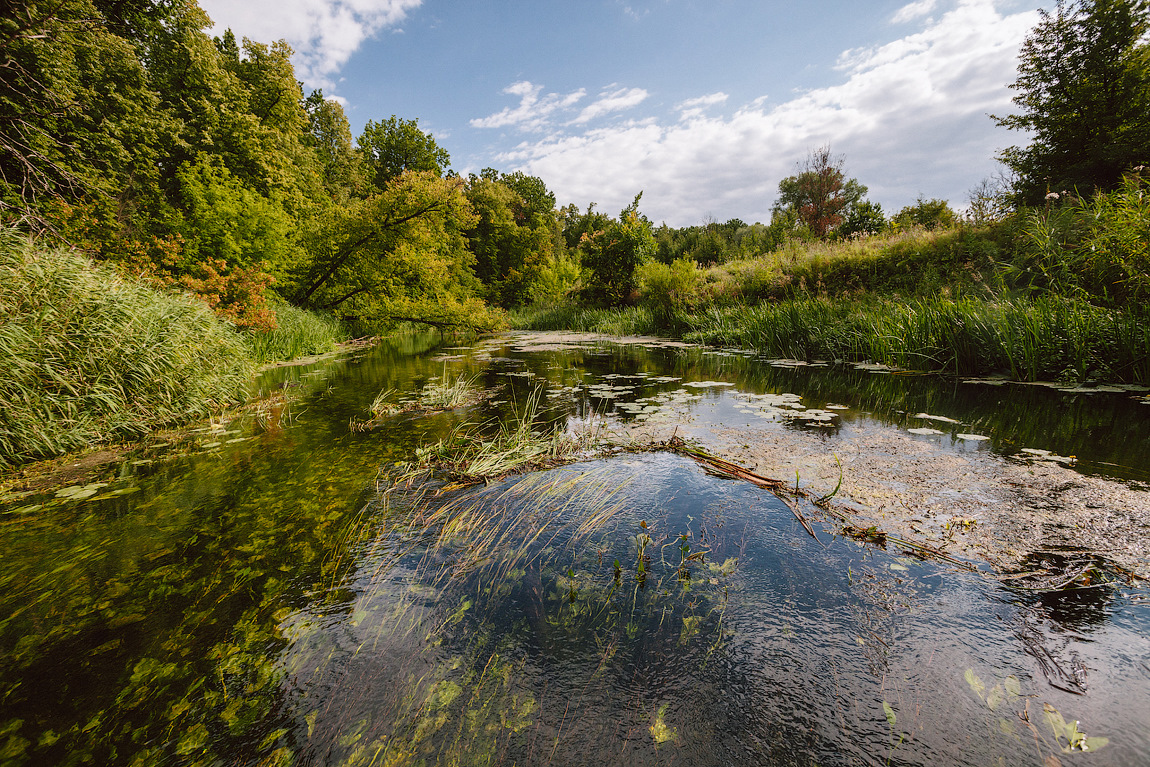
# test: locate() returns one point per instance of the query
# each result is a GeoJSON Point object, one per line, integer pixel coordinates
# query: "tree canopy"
{"type": "Point", "coordinates": [819, 197]}
{"type": "Point", "coordinates": [1084, 94]}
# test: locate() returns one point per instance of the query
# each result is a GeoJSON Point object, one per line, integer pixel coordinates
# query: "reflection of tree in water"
{"type": "Point", "coordinates": [1061, 594]}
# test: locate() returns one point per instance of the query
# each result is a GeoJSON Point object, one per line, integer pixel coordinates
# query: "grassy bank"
{"type": "Point", "coordinates": [1049, 294]}
{"type": "Point", "coordinates": [87, 356]}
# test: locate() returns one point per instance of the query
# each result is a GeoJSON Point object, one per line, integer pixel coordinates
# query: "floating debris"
{"type": "Point", "coordinates": [939, 418]}
{"type": "Point", "coordinates": [972, 437]}
{"type": "Point", "coordinates": [707, 384]}
{"type": "Point", "coordinates": [926, 432]}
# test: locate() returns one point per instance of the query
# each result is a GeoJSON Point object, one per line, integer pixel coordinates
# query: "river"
{"type": "Point", "coordinates": [263, 590]}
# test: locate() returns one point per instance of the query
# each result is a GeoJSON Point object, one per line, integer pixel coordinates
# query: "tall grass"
{"type": "Point", "coordinates": [1048, 338]}
{"type": "Point", "coordinates": [625, 321]}
{"type": "Point", "coordinates": [298, 333]}
{"type": "Point", "coordinates": [88, 356]}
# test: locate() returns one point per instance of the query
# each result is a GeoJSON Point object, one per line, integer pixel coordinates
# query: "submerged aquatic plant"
{"type": "Point", "coordinates": [516, 446]}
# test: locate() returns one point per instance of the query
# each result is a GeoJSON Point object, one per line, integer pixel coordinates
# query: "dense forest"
{"type": "Point", "coordinates": [134, 140]}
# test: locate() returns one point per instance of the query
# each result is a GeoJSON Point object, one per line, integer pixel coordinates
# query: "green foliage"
{"type": "Point", "coordinates": [510, 239]}
{"type": "Point", "coordinates": [558, 277]}
{"type": "Point", "coordinates": [862, 219]}
{"type": "Point", "coordinates": [90, 356]}
{"type": "Point", "coordinates": [713, 243]}
{"type": "Point", "coordinates": [668, 290]}
{"type": "Point", "coordinates": [329, 134]}
{"type": "Point", "coordinates": [1044, 339]}
{"type": "Point", "coordinates": [1097, 247]}
{"type": "Point", "coordinates": [611, 255]}
{"type": "Point", "coordinates": [819, 198]}
{"type": "Point", "coordinates": [1084, 95]}
{"type": "Point", "coordinates": [398, 255]}
{"type": "Point", "coordinates": [928, 214]}
{"type": "Point", "coordinates": [231, 222]}
{"type": "Point", "coordinates": [394, 145]}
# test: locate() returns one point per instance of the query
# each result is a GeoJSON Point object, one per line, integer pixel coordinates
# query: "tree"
{"type": "Point", "coordinates": [397, 255]}
{"type": "Point", "coordinates": [511, 242]}
{"type": "Point", "coordinates": [819, 196]}
{"type": "Point", "coordinates": [611, 255]}
{"type": "Point", "coordinates": [864, 217]}
{"type": "Point", "coordinates": [329, 134]}
{"type": "Point", "coordinates": [928, 214]}
{"type": "Point", "coordinates": [1084, 94]}
{"type": "Point", "coordinates": [394, 145]}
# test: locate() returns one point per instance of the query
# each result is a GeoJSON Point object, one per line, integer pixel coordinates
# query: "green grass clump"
{"type": "Point", "coordinates": [1048, 338]}
{"type": "Point", "coordinates": [298, 333]}
{"type": "Point", "coordinates": [88, 356]}
{"type": "Point", "coordinates": [624, 321]}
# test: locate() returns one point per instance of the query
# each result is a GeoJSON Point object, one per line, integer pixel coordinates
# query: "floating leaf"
{"type": "Point", "coordinates": [891, 719]}
{"type": "Point", "coordinates": [1068, 732]}
{"type": "Point", "coordinates": [1012, 685]}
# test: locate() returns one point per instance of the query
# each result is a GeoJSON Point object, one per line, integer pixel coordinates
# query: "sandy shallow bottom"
{"type": "Point", "coordinates": [973, 504]}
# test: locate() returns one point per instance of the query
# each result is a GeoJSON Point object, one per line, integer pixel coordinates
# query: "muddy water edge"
{"type": "Point", "coordinates": [271, 589]}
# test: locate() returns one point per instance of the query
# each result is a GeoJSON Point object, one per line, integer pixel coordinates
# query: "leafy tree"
{"type": "Point", "coordinates": [818, 198]}
{"type": "Point", "coordinates": [329, 135]}
{"type": "Point", "coordinates": [78, 119]}
{"type": "Point", "coordinates": [1084, 94]}
{"type": "Point", "coordinates": [928, 214]}
{"type": "Point", "coordinates": [576, 224]}
{"type": "Point", "coordinates": [612, 254]}
{"type": "Point", "coordinates": [397, 255]}
{"type": "Point", "coordinates": [864, 217]}
{"type": "Point", "coordinates": [394, 145]}
{"type": "Point", "coordinates": [510, 241]}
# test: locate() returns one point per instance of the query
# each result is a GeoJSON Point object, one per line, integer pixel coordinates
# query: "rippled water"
{"type": "Point", "coordinates": [254, 596]}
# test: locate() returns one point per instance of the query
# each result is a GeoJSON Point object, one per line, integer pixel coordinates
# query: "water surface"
{"type": "Point", "coordinates": [257, 595]}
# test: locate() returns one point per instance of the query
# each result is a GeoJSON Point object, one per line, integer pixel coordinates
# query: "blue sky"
{"type": "Point", "coordinates": [703, 105]}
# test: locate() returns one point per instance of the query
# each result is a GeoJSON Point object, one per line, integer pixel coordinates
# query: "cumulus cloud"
{"type": "Point", "coordinates": [533, 113]}
{"type": "Point", "coordinates": [612, 99]}
{"type": "Point", "coordinates": [913, 11]}
{"type": "Point", "coordinates": [324, 33]}
{"type": "Point", "coordinates": [695, 107]}
{"type": "Point", "coordinates": [910, 110]}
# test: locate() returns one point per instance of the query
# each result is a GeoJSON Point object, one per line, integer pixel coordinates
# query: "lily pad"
{"type": "Point", "coordinates": [925, 431]}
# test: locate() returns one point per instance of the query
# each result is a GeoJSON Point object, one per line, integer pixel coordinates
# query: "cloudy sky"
{"type": "Point", "coordinates": [703, 105]}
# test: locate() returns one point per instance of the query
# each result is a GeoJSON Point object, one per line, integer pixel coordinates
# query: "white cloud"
{"type": "Point", "coordinates": [913, 11]}
{"type": "Point", "coordinates": [536, 112]}
{"type": "Point", "coordinates": [533, 112]}
{"type": "Point", "coordinates": [324, 33]}
{"type": "Point", "coordinates": [692, 108]}
{"type": "Point", "coordinates": [612, 101]}
{"type": "Point", "coordinates": [910, 118]}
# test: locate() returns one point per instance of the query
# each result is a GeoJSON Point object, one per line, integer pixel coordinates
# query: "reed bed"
{"type": "Point", "coordinates": [88, 356]}
{"type": "Point", "coordinates": [1030, 339]}
{"type": "Point", "coordinates": [298, 333]}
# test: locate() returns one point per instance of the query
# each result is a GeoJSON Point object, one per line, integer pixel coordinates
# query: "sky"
{"type": "Point", "coordinates": [701, 105]}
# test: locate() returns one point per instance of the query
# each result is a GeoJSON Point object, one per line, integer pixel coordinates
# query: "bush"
{"type": "Point", "coordinates": [669, 290]}
{"type": "Point", "coordinates": [90, 356]}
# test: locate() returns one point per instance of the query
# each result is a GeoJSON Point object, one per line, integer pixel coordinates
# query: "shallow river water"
{"type": "Point", "coordinates": [259, 592]}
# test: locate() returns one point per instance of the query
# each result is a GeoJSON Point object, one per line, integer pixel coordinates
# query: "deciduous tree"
{"type": "Point", "coordinates": [1084, 95]}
